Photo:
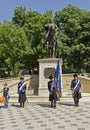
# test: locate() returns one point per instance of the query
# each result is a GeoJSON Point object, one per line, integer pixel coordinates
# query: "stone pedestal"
{"type": "Point", "coordinates": [46, 68]}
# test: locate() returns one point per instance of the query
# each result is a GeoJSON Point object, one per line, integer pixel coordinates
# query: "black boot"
{"type": "Point", "coordinates": [20, 104]}
{"type": "Point", "coordinates": [54, 105]}
{"type": "Point", "coordinates": [23, 104]}
{"type": "Point", "coordinates": [51, 103]}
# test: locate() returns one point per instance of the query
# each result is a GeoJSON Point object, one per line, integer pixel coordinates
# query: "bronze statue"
{"type": "Point", "coordinates": [50, 38]}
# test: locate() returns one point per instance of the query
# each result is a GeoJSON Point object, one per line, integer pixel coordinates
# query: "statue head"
{"type": "Point", "coordinates": [51, 21]}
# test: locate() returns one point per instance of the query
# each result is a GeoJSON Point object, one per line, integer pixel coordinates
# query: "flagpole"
{"type": "Point", "coordinates": [60, 72]}
{"type": "Point", "coordinates": [58, 76]}
{"type": "Point", "coordinates": [61, 77]}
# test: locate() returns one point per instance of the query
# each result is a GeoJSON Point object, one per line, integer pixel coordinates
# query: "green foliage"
{"type": "Point", "coordinates": [74, 34]}
{"type": "Point", "coordinates": [22, 39]}
{"type": "Point", "coordinates": [14, 44]}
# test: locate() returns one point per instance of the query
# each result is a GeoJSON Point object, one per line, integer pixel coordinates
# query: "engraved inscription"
{"type": "Point", "coordinates": [48, 72]}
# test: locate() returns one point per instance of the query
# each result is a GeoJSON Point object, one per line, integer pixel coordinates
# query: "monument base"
{"type": "Point", "coordinates": [46, 68]}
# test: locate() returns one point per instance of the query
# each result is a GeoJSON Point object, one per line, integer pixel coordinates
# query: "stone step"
{"type": "Point", "coordinates": [35, 98]}
{"type": "Point", "coordinates": [32, 98]}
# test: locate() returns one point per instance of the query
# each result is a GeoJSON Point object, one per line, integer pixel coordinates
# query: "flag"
{"type": "Point", "coordinates": [58, 78]}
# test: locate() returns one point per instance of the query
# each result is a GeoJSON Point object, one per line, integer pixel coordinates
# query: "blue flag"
{"type": "Point", "coordinates": [58, 78]}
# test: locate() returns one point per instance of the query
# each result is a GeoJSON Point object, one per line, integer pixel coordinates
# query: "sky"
{"type": "Point", "coordinates": [7, 6]}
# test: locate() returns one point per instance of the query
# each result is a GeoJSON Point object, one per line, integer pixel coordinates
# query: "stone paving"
{"type": "Point", "coordinates": [39, 116]}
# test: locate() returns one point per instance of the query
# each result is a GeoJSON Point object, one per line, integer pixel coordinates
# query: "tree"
{"type": "Point", "coordinates": [14, 45]}
{"type": "Point", "coordinates": [33, 27]}
{"type": "Point", "coordinates": [22, 40]}
{"type": "Point", "coordinates": [20, 16]}
{"type": "Point", "coordinates": [74, 35]}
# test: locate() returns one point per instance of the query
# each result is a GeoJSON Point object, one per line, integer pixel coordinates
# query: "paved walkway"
{"type": "Point", "coordinates": [39, 116]}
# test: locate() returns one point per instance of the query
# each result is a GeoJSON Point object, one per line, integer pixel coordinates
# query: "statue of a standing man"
{"type": "Point", "coordinates": [50, 38]}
